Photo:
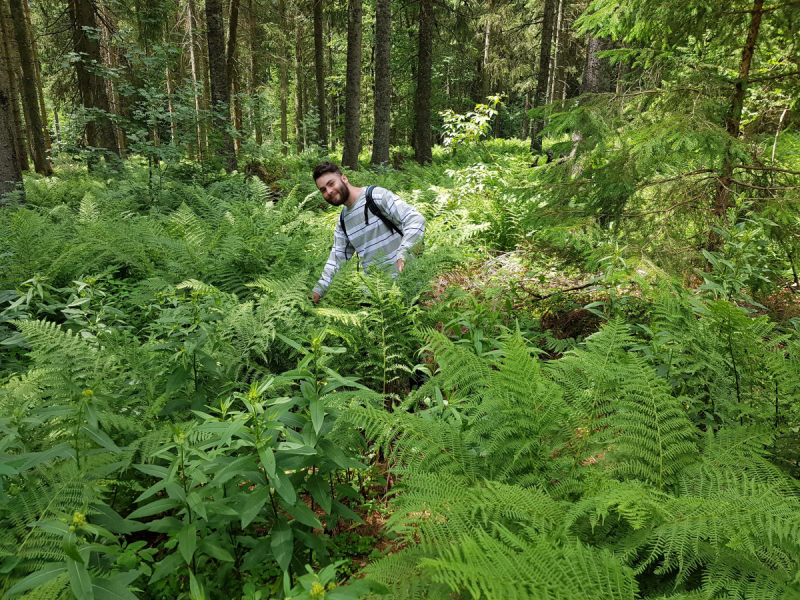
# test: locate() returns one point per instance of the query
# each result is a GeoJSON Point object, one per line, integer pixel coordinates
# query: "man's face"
{"type": "Point", "coordinates": [333, 188]}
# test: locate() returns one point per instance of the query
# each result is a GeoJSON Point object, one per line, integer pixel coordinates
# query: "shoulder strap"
{"type": "Point", "coordinates": [344, 229]}
{"type": "Point", "coordinates": [375, 210]}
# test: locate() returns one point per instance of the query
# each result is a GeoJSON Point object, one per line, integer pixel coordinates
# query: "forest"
{"type": "Point", "coordinates": [585, 384]}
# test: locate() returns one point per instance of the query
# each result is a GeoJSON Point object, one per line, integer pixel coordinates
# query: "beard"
{"type": "Point", "coordinates": [343, 193]}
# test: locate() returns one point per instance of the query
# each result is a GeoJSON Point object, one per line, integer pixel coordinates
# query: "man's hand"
{"type": "Point", "coordinates": [401, 264]}
{"type": "Point", "coordinates": [314, 297]}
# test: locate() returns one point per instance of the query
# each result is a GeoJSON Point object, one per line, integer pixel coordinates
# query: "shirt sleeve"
{"type": "Point", "coordinates": [341, 251]}
{"type": "Point", "coordinates": [405, 216]}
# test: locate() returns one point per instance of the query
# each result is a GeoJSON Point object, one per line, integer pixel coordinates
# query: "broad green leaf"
{"type": "Point", "coordinates": [79, 580]}
{"type": "Point", "coordinates": [282, 542]}
{"type": "Point", "coordinates": [100, 438]}
{"type": "Point", "coordinates": [154, 508]}
{"type": "Point", "coordinates": [176, 379]}
{"type": "Point", "coordinates": [317, 408]}
{"type": "Point", "coordinates": [303, 514]}
{"type": "Point", "coordinates": [214, 550]}
{"type": "Point", "coordinates": [284, 486]}
{"type": "Point", "coordinates": [154, 470]}
{"type": "Point", "coordinates": [70, 547]}
{"type": "Point", "coordinates": [167, 566]}
{"type": "Point", "coordinates": [333, 452]}
{"type": "Point", "coordinates": [234, 468]}
{"type": "Point", "coordinates": [111, 589]}
{"type": "Point", "coordinates": [320, 491]}
{"type": "Point", "coordinates": [254, 503]}
{"type": "Point", "coordinates": [196, 589]}
{"type": "Point", "coordinates": [267, 457]}
{"type": "Point", "coordinates": [341, 510]}
{"type": "Point", "coordinates": [47, 573]}
{"type": "Point", "coordinates": [187, 542]}
{"type": "Point", "coordinates": [165, 525]}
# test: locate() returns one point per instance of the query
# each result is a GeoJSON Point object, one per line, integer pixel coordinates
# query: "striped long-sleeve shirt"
{"type": "Point", "coordinates": [373, 239]}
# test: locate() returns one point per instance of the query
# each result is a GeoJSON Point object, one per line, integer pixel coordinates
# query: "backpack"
{"type": "Point", "coordinates": [371, 207]}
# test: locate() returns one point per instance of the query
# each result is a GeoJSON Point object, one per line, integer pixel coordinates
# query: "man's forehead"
{"type": "Point", "coordinates": [325, 178]}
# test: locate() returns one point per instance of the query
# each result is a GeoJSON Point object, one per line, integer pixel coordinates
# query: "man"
{"type": "Point", "coordinates": [390, 234]}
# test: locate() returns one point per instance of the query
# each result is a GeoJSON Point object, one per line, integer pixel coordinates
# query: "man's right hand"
{"type": "Point", "coordinates": [315, 297]}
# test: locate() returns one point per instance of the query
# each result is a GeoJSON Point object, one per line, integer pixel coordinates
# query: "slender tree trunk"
{"type": "Point", "coordinates": [232, 66]}
{"type": "Point", "coordinates": [526, 119]}
{"type": "Point", "coordinates": [10, 167]}
{"type": "Point", "coordinates": [10, 66]}
{"type": "Point", "coordinates": [38, 69]}
{"type": "Point", "coordinates": [220, 84]}
{"type": "Point", "coordinates": [423, 142]}
{"type": "Point", "coordinates": [540, 96]}
{"type": "Point", "coordinates": [92, 86]}
{"type": "Point", "coordinates": [555, 65]}
{"type": "Point", "coordinates": [284, 60]}
{"type": "Point", "coordinates": [486, 79]}
{"type": "Point", "coordinates": [319, 73]}
{"type": "Point", "coordinates": [734, 119]}
{"type": "Point", "coordinates": [202, 44]}
{"type": "Point", "coordinates": [383, 82]}
{"type": "Point", "coordinates": [298, 88]}
{"type": "Point", "coordinates": [30, 91]}
{"type": "Point", "coordinates": [194, 64]}
{"type": "Point", "coordinates": [352, 107]}
{"type": "Point", "coordinates": [255, 75]}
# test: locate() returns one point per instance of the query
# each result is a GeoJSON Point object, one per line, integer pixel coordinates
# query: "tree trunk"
{"type": "Point", "coordinates": [525, 119]}
{"type": "Point", "coordinates": [284, 78]}
{"type": "Point", "coordinates": [540, 96]}
{"type": "Point", "coordinates": [319, 73]}
{"type": "Point", "coordinates": [10, 58]}
{"type": "Point", "coordinates": [255, 75]}
{"type": "Point", "coordinates": [597, 72]}
{"type": "Point", "coordinates": [30, 92]}
{"type": "Point", "coordinates": [555, 63]}
{"type": "Point", "coordinates": [92, 87]}
{"type": "Point", "coordinates": [352, 108]}
{"type": "Point", "coordinates": [298, 88]}
{"type": "Point", "coordinates": [734, 119]}
{"type": "Point", "coordinates": [486, 79]}
{"type": "Point", "coordinates": [194, 64]}
{"type": "Point", "coordinates": [38, 70]}
{"type": "Point", "coordinates": [383, 82]}
{"type": "Point", "coordinates": [220, 84]}
{"type": "Point", "coordinates": [232, 67]}
{"type": "Point", "coordinates": [423, 142]}
{"type": "Point", "coordinates": [10, 167]}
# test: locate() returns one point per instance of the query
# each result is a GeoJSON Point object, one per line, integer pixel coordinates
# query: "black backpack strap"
{"type": "Point", "coordinates": [344, 229]}
{"type": "Point", "coordinates": [371, 207]}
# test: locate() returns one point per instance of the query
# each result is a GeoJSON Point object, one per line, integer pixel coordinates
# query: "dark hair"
{"type": "Point", "coordinates": [325, 167]}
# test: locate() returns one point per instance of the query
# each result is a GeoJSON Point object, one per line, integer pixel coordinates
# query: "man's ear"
{"type": "Point", "coordinates": [344, 179]}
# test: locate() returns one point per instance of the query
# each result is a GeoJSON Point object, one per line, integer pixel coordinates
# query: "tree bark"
{"type": "Point", "coordinates": [220, 84]}
{"type": "Point", "coordinates": [38, 70]}
{"type": "Point", "coordinates": [10, 167]}
{"type": "Point", "coordinates": [423, 142]}
{"type": "Point", "coordinates": [383, 82]}
{"type": "Point", "coordinates": [194, 64]}
{"type": "Point", "coordinates": [734, 119]}
{"type": "Point", "coordinates": [10, 66]}
{"type": "Point", "coordinates": [232, 67]}
{"type": "Point", "coordinates": [283, 75]}
{"type": "Point", "coordinates": [597, 72]}
{"type": "Point", "coordinates": [352, 109]}
{"type": "Point", "coordinates": [298, 88]}
{"type": "Point", "coordinates": [255, 75]}
{"type": "Point", "coordinates": [91, 84]}
{"type": "Point", "coordinates": [486, 80]}
{"type": "Point", "coordinates": [30, 92]}
{"type": "Point", "coordinates": [542, 80]}
{"type": "Point", "coordinates": [319, 73]}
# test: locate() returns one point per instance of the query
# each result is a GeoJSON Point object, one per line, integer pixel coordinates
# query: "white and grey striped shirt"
{"type": "Point", "coordinates": [374, 239]}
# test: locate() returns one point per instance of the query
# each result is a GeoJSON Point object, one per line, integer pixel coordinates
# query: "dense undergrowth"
{"type": "Point", "coordinates": [178, 420]}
